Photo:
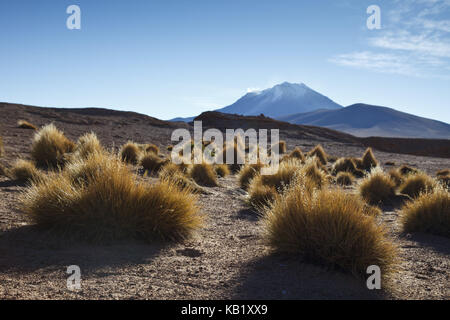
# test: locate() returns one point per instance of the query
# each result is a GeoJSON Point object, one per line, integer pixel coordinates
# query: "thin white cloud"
{"type": "Point", "coordinates": [415, 41]}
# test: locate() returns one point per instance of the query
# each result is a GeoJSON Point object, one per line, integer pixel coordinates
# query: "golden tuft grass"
{"type": "Point", "coordinates": [414, 184]}
{"type": "Point", "coordinates": [151, 148]}
{"type": "Point", "coordinates": [247, 173]}
{"type": "Point", "coordinates": [297, 154]}
{"type": "Point", "coordinates": [130, 152]}
{"type": "Point", "coordinates": [430, 213]}
{"type": "Point", "coordinates": [345, 178]}
{"type": "Point", "coordinates": [329, 227]}
{"type": "Point", "coordinates": [261, 196]}
{"type": "Point", "coordinates": [312, 171]}
{"type": "Point", "coordinates": [152, 163]}
{"type": "Point", "coordinates": [173, 174]}
{"type": "Point", "coordinates": [286, 174]}
{"type": "Point", "coordinates": [282, 147]}
{"type": "Point", "coordinates": [203, 174]}
{"type": "Point", "coordinates": [405, 170]}
{"type": "Point", "coordinates": [24, 171]}
{"type": "Point", "coordinates": [347, 165]}
{"type": "Point", "coordinates": [443, 172]}
{"type": "Point", "coordinates": [112, 204]}
{"type": "Point", "coordinates": [320, 153]}
{"type": "Point", "coordinates": [368, 160]}
{"type": "Point", "coordinates": [86, 145]}
{"type": "Point", "coordinates": [377, 187]}
{"type": "Point", "coordinates": [50, 146]}
{"type": "Point", "coordinates": [396, 177]}
{"type": "Point", "coordinates": [26, 125]}
{"type": "Point", "coordinates": [222, 170]}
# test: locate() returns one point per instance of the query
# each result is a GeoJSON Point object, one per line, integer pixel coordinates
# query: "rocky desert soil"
{"type": "Point", "coordinates": [228, 259]}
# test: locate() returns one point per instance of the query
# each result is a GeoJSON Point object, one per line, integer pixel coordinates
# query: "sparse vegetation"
{"type": "Point", "coordinates": [130, 152]}
{"type": "Point", "coordinates": [151, 162]}
{"type": "Point", "coordinates": [430, 212]}
{"type": "Point", "coordinates": [203, 174]}
{"type": "Point", "coordinates": [396, 177]}
{"type": "Point", "coordinates": [317, 176]}
{"type": "Point", "coordinates": [174, 175]}
{"type": "Point", "coordinates": [26, 125]}
{"type": "Point", "coordinates": [329, 227]}
{"type": "Point", "coordinates": [368, 160]}
{"type": "Point", "coordinates": [222, 170]}
{"type": "Point", "coordinates": [344, 178]}
{"type": "Point", "coordinates": [86, 145]}
{"type": "Point", "coordinates": [297, 153]}
{"type": "Point", "coordinates": [347, 165]}
{"type": "Point", "coordinates": [405, 170]}
{"type": "Point", "coordinates": [152, 148]}
{"type": "Point", "coordinates": [261, 196]}
{"type": "Point", "coordinates": [414, 184]}
{"type": "Point", "coordinates": [50, 146]}
{"type": "Point", "coordinates": [320, 153]}
{"type": "Point", "coordinates": [24, 171]}
{"type": "Point", "coordinates": [247, 173]}
{"type": "Point", "coordinates": [113, 204]}
{"type": "Point", "coordinates": [377, 187]}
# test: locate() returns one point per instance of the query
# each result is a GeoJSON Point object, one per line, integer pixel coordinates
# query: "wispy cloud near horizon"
{"type": "Point", "coordinates": [415, 41]}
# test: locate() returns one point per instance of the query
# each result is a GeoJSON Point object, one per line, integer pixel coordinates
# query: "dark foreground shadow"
{"type": "Point", "coordinates": [26, 249]}
{"type": "Point", "coordinates": [281, 277]}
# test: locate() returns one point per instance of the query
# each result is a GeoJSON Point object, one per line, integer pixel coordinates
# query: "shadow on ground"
{"type": "Point", "coordinates": [26, 249]}
{"type": "Point", "coordinates": [281, 277]}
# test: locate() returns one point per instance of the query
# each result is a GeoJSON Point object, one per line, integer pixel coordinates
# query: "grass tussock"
{"type": "Point", "coordinates": [247, 173]}
{"type": "Point", "coordinates": [261, 196]}
{"type": "Point", "coordinates": [150, 147]}
{"type": "Point", "coordinates": [222, 170]}
{"type": "Point", "coordinates": [414, 184]}
{"type": "Point", "coordinates": [23, 124]}
{"type": "Point", "coordinates": [24, 171]}
{"type": "Point", "coordinates": [443, 172]}
{"type": "Point", "coordinates": [286, 174]}
{"type": "Point", "coordinates": [347, 165]}
{"type": "Point", "coordinates": [312, 171]}
{"type": "Point", "coordinates": [297, 153]}
{"type": "Point", "coordinates": [329, 227]}
{"type": "Point", "coordinates": [50, 146]}
{"type": "Point", "coordinates": [396, 177]}
{"type": "Point", "coordinates": [130, 152]}
{"type": "Point", "coordinates": [203, 174]}
{"type": "Point", "coordinates": [172, 173]}
{"type": "Point", "coordinates": [281, 147]}
{"type": "Point", "coordinates": [368, 160]}
{"type": "Point", "coordinates": [111, 204]}
{"type": "Point", "coordinates": [320, 153]}
{"type": "Point", "coordinates": [377, 187]}
{"type": "Point", "coordinates": [406, 170]}
{"type": "Point", "coordinates": [152, 163]}
{"type": "Point", "coordinates": [429, 213]}
{"type": "Point", "coordinates": [345, 178]}
{"type": "Point", "coordinates": [86, 145]}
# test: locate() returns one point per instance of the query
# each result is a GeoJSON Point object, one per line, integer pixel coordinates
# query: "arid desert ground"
{"type": "Point", "coordinates": [227, 259]}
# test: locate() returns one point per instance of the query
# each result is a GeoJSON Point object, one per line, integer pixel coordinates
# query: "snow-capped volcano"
{"type": "Point", "coordinates": [281, 100]}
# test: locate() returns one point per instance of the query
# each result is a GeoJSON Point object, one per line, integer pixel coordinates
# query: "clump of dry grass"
{"type": "Point", "coordinates": [320, 153]}
{"type": "Point", "coordinates": [203, 174]}
{"type": "Point", "coordinates": [287, 173]}
{"type": "Point", "coordinates": [281, 147]}
{"type": "Point", "coordinates": [222, 170]}
{"type": "Point", "coordinates": [443, 176]}
{"type": "Point", "coordinates": [26, 125]}
{"type": "Point", "coordinates": [414, 184]}
{"type": "Point", "coordinates": [344, 178]}
{"type": "Point", "coordinates": [347, 165]}
{"type": "Point", "coordinates": [329, 227]}
{"type": "Point", "coordinates": [297, 154]}
{"type": "Point", "coordinates": [50, 146]}
{"type": "Point", "coordinates": [430, 212]}
{"type": "Point", "coordinates": [405, 170]}
{"type": "Point", "coordinates": [172, 173]}
{"type": "Point", "coordinates": [24, 171]}
{"type": "Point", "coordinates": [377, 187]}
{"type": "Point", "coordinates": [86, 145]}
{"type": "Point", "coordinates": [151, 148]}
{"type": "Point", "coordinates": [169, 147]}
{"type": "Point", "coordinates": [443, 172]}
{"type": "Point", "coordinates": [312, 172]}
{"type": "Point", "coordinates": [261, 196]}
{"type": "Point", "coordinates": [151, 162]}
{"type": "Point", "coordinates": [368, 160]}
{"type": "Point", "coordinates": [130, 152]}
{"type": "Point", "coordinates": [112, 204]}
{"type": "Point", "coordinates": [396, 177]}
{"type": "Point", "coordinates": [247, 173]}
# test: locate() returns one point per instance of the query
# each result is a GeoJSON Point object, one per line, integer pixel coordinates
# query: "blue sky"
{"type": "Point", "coordinates": [179, 58]}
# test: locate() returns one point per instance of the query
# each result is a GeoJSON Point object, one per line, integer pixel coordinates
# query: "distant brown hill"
{"type": "Point", "coordinates": [115, 127]}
